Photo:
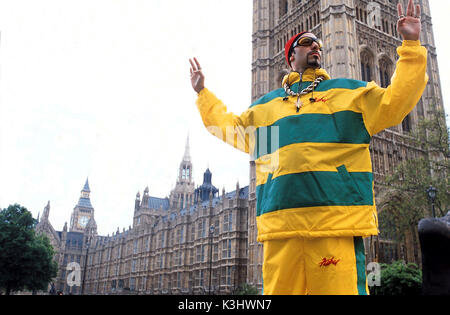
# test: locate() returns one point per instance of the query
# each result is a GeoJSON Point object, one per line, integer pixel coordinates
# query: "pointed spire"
{"type": "Point", "coordinates": [187, 154]}
{"type": "Point", "coordinates": [91, 223]}
{"type": "Point", "coordinates": [85, 200]}
{"type": "Point", "coordinates": [46, 211]}
{"type": "Point", "coordinates": [64, 233]}
{"type": "Point", "coordinates": [86, 185]}
{"type": "Point", "coordinates": [145, 198]}
{"type": "Point", "coordinates": [207, 176]}
{"type": "Point", "coordinates": [137, 202]}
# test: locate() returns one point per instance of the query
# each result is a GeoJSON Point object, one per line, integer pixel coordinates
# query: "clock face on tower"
{"type": "Point", "coordinates": [83, 221]}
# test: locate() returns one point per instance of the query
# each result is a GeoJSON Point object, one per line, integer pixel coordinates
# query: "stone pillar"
{"type": "Point", "coordinates": [339, 37]}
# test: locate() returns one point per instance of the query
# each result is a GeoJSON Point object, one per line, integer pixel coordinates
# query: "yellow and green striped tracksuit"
{"type": "Point", "coordinates": [317, 180]}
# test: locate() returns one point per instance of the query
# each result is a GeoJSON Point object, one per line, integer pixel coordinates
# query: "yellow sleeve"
{"type": "Point", "coordinates": [230, 128]}
{"type": "Point", "coordinates": [386, 107]}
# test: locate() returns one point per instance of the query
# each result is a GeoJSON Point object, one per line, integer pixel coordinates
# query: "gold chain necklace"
{"type": "Point", "coordinates": [310, 88]}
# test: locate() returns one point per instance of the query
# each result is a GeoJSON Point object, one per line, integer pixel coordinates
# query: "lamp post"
{"type": "Point", "coordinates": [431, 191]}
{"type": "Point", "coordinates": [211, 232]}
{"type": "Point", "coordinates": [52, 289]}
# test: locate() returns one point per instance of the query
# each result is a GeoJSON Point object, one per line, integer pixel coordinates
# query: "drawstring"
{"type": "Point", "coordinates": [298, 92]}
{"type": "Point", "coordinates": [312, 99]}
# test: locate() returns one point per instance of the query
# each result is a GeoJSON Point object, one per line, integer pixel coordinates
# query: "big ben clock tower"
{"type": "Point", "coordinates": [83, 211]}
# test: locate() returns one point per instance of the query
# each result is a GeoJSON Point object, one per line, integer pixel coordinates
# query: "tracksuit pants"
{"type": "Point", "coordinates": [319, 266]}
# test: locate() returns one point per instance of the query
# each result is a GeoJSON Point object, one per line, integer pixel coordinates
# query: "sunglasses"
{"type": "Point", "coordinates": [307, 41]}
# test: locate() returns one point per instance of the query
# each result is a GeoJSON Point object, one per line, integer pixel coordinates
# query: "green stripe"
{"type": "Point", "coordinates": [322, 87]}
{"type": "Point", "coordinates": [314, 189]}
{"type": "Point", "coordinates": [340, 84]}
{"type": "Point", "coordinates": [340, 127]}
{"type": "Point", "coordinates": [269, 97]}
{"type": "Point", "coordinates": [360, 265]}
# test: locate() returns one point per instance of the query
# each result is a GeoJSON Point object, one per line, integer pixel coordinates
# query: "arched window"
{"type": "Point", "coordinates": [385, 72]}
{"type": "Point", "coordinates": [406, 124]}
{"type": "Point", "coordinates": [366, 65]}
{"type": "Point", "coordinates": [283, 7]}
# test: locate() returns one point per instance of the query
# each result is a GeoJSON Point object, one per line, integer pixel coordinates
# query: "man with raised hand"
{"type": "Point", "coordinates": [316, 203]}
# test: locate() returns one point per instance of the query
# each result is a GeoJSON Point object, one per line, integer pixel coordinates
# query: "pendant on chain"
{"type": "Point", "coordinates": [299, 103]}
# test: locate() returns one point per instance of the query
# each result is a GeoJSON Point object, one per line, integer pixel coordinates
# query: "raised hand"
{"type": "Point", "coordinates": [409, 26]}
{"type": "Point", "coordinates": [197, 77]}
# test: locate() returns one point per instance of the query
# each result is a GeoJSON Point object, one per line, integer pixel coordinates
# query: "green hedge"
{"type": "Point", "coordinates": [399, 278]}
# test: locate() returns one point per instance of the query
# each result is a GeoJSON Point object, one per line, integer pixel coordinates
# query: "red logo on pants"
{"type": "Point", "coordinates": [326, 262]}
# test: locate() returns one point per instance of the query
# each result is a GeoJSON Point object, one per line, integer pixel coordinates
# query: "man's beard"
{"type": "Point", "coordinates": [315, 63]}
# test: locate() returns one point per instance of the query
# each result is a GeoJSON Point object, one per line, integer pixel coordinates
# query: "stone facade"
{"type": "Point", "coordinates": [360, 40]}
{"type": "Point", "coordinates": [193, 242]}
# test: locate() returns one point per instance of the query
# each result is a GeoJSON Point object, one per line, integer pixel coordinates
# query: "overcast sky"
{"type": "Point", "coordinates": [101, 89]}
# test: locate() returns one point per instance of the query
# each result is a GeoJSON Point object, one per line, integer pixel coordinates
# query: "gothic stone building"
{"type": "Point", "coordinates": [192, 242]}
{"type": "Point", "coordinates": [360, 40]}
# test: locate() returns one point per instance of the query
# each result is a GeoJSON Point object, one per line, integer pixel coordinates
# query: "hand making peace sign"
{"type": "Point", "coordinates": [409, 26]}
{"type": "Point", "coordinates": [197, 77]}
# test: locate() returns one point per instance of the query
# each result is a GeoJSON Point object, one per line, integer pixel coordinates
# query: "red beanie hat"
{"type": "Point", "coordinates": [289, 44]}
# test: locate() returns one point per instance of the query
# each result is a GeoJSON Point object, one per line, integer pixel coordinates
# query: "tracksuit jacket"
{"type": "Point", "coordinates": [313, 168]}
